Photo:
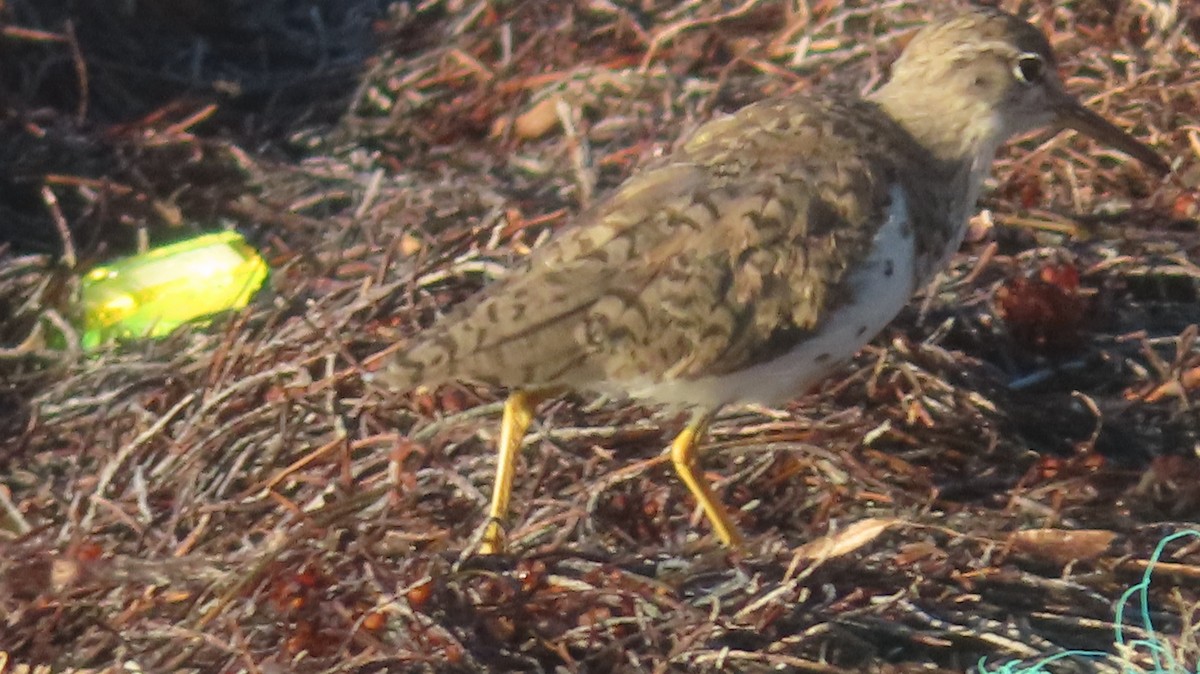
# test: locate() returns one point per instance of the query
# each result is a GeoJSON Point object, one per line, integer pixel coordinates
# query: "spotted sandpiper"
{"type": "Point", "coordinates": [772, 244]}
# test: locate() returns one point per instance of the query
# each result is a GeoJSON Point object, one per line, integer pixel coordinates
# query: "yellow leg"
{"type": "Point", "coordinates": [518, 413]}
{"type": "Point", "coordinates": [683, 455]}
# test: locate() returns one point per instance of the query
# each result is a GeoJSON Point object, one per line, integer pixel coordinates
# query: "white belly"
{"type": "Point", "coordinates": [880, 289]}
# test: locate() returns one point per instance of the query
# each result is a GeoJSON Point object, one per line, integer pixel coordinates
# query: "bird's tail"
{"type": "Point", "coordinates": [423, 363]}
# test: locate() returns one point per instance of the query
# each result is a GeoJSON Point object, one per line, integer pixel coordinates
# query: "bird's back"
{"type": "Point", "coordinates": [725, 255]}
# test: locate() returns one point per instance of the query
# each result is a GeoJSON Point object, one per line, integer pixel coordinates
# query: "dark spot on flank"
{"type": "Point", "coordinates": [763, 222]}
{"type": "Point", "coordinates": [481, 335]}
{"type": "Point", "coordinates": [862, 329]}
{"type": "Point", "coordinates": [713, 332]}
{"type": "Point", "coordinates": [599, 255]}
{"type": "Point", "coordinates": [889, 268]}
{"type": "Point", "coordinates": [822, 218]}
{"type": "Point", "coordinates": [823, 358]}
{"type": "Point", "coordinates": [708, 205]}
{"type": "Point", "coordinates": [621, 334]}
{"type": "Point", "coordinates": [676, 219]}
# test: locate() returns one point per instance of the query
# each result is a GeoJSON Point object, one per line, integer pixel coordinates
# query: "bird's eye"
{"type": "Point", "coordinates": [1029, 68]}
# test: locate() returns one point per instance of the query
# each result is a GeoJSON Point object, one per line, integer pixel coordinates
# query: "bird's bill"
{"type": "Point", "coordinates": [1072, 114]}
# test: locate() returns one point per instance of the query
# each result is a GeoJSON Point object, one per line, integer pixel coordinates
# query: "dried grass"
{"type": "Point", "coordinates": [237, 498]}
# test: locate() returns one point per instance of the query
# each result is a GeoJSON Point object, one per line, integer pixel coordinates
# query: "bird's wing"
{"type": "Point", "coordinates": [720, 258]}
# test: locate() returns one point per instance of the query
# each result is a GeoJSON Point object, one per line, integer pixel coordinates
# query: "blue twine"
{"type": "Point", "coordinates": [1164, 659]}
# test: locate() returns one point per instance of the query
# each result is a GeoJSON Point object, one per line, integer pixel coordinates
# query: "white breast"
{"type": "Point", "coordinates": [880, 288]}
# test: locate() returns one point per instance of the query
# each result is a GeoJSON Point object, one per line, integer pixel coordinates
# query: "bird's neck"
{"type": "Point", "coordinates": [960, 135]}
{"type": "Point", "coordinates": [958, 145]}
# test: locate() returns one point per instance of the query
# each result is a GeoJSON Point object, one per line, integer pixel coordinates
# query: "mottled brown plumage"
{"type": "Point", "coordinates": [720, 258]}
{"type": "Point", "coordinates": [764, 248]}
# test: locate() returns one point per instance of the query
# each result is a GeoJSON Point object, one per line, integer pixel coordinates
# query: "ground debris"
{"type": "Point", "coordinates": [240, 497]}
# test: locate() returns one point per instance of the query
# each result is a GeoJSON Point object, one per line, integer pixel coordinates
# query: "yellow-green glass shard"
{"type": "Point", "coordinates": [151, 294]}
